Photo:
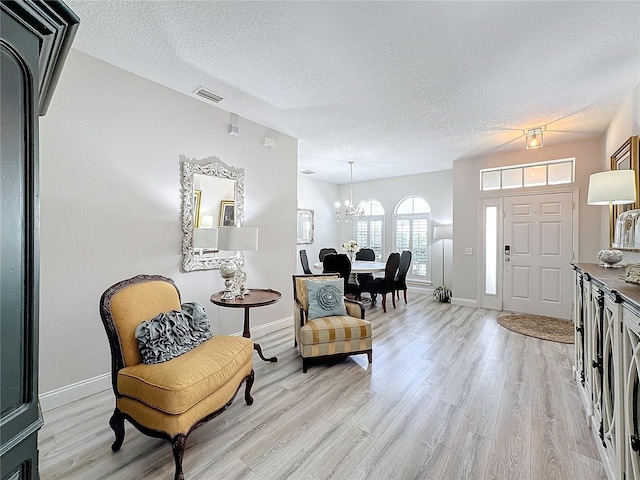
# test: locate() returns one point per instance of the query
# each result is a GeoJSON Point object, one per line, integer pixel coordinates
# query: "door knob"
{"type": "Point", "coordinates": [507, 259]}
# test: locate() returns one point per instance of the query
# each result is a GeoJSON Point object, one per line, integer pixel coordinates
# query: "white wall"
{"type": "Point", "coordinates": [466, 194]}
{"type": "Point", "coordinates": [110, 207]}
{"type": "Point", "coordinates": [625, 124]}
{"type": "Point", "coordinates": [320, 197]}
{"type": "Point", "coordinates": [435, 187]}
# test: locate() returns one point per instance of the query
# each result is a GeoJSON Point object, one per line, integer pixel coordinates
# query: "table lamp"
{"type": "Point", "coordinates": [236, 239]}
{"type": "Point", "coordinates": [613, 187]}
{"type": "Point", "coordinates": [205, 238]}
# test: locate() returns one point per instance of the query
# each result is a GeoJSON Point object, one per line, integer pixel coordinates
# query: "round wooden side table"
{"type": "Point", "coordinates": [258, 297]}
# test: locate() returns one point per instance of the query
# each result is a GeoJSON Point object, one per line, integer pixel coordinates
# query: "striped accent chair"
{"type": "Point", "coordinates": [324, 338]}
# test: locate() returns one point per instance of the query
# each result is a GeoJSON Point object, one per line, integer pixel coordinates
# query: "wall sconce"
{"type": "Point", "coordinates": [534, 138]}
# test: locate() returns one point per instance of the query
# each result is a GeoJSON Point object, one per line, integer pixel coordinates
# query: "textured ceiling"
{"type": "Point", "coordinates": [397, 87]}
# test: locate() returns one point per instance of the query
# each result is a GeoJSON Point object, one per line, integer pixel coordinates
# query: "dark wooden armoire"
{"type": "Point", "coordinates": [35, 38]}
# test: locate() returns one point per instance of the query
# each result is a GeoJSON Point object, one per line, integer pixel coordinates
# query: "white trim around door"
{"type": "Point", "coordinates": [491, 248]}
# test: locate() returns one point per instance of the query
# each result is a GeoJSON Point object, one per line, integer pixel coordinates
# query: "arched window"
{"type": "Point", "coordinates": [411, 232]}
{"type": "Point", "coordinates": [369, 231]}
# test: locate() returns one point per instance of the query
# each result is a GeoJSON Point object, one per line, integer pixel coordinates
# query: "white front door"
{"type": "Point", "coordinates": [538, 244]}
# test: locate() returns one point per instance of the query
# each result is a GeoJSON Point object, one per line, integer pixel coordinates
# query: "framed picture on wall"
{"type": "Point", "coordinates": [227, 213]}
{"type": "Point", "coordinates": [197, 196]}
{"type": "Point", "coordinates": [625, 158]}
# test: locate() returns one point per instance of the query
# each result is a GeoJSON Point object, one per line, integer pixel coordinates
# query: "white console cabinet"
{"type": "Point", "coordinates": [631, 402]}
{"type": "Point", "coordinates": [607, 364]}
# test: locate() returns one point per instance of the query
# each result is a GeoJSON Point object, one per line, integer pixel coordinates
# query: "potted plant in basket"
{"type": "Point", "coordinates": [442, 294]}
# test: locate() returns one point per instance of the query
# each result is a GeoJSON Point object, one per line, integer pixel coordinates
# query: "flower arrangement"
{"type": "Point", "coordinates": [351, 247]}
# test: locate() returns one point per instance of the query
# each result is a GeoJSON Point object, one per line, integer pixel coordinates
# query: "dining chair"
{"type": "Point", "coordinates": [384, 284]}
{"type": "Point", "coordinates": [305, 262]}
{"type": "Point", "coordinates": [325, 251]}
{"type": "Point", "coordinates": [400, 281]}
{"type": "Point", "coordinates": [367, 255]}
{"type": "Point", "coordinates": [340, 263]}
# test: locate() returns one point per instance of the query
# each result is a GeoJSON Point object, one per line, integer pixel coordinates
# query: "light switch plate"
{"type": "Point", "coordinates": [468, 251]}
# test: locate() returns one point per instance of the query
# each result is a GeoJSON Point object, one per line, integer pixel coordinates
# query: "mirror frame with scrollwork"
{"type": "Point", "coordinates": [193, 260]}
{"type": "Point", "coordinates": [305, 215]}
{"type": "Point", "coordinates": [625, 158]}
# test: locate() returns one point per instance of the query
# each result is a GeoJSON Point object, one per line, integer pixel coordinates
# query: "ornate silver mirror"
{"type": "Point", "coordinates": [305, 226]}
{"type": "Point", "coordinates": [212, 196]}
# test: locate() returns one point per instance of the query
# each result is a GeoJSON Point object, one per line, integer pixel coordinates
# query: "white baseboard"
{"type": "Point", "coordinates": [270, 327]}
{"type": "Point", "coordinates": [419, 288]}
{"type": "Point", "coordinates": [464, 302]}
{"type": "Point", "coordinates": [76, 391]}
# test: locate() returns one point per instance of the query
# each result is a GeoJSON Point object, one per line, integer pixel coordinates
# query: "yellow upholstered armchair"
{"type": "Point", "coordinates": [168, 399]}
{"type": "Point", "coordinates": [327, 324]}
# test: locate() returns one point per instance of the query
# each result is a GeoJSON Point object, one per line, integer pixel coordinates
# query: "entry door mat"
{"type": "Point", "coordinates": [545, 328]}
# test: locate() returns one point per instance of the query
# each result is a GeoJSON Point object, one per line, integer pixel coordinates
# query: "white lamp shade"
{"type": "Point", "coordinates": [238, 238]}
{"type": "Point", "coordinates": [206, 221]}
{"type": "Point", "coordinates": [443, 232]}
{"type": "Point", "coordinates": [205, 238]}
{"type": "Point", "coordinates": [614, 187]}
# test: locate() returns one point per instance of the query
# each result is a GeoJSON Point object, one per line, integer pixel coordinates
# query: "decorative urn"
{"type": "Point", "coordinates": [608, 258]}
{"type": "Point", "coordinates": [228, 271]}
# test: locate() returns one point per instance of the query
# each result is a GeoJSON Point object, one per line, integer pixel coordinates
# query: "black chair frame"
{"type": "Point", "coordinates": [383, 285]}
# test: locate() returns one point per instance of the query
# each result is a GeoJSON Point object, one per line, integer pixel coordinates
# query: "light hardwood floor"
{"type": "Point", "coordinates": [450, 395]}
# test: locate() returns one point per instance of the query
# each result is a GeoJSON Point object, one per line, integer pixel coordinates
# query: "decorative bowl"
{"type": "Point", "coordinates": [610, 257]}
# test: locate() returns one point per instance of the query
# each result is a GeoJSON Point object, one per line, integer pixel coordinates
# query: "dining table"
{"type": "Point", "coordinates": [360, 266]}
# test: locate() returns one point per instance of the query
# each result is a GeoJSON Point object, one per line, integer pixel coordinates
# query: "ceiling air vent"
{"type": "Point", "coordinates": [207, 95]}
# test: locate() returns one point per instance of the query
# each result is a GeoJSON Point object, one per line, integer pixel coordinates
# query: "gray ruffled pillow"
{"type": "Point", "coordinates": [169, 335]}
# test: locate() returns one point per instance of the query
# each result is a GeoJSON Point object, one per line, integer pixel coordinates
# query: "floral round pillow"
{"type": "Point", "coordinates": [326, 298]}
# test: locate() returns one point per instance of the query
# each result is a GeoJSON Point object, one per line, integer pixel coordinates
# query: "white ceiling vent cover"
{"type": "Point", "coordinates": [207, 95]}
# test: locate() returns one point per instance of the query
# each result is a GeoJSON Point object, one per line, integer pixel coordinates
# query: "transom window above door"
{"type": "Point", "coordinates": [556, 172]}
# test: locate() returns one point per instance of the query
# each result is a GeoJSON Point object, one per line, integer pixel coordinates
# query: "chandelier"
{"type": "Point", "coordinates": [350, 213]}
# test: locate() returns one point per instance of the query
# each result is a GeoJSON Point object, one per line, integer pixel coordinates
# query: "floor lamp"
{"type": "Point", "coordinates": [443, 232]}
